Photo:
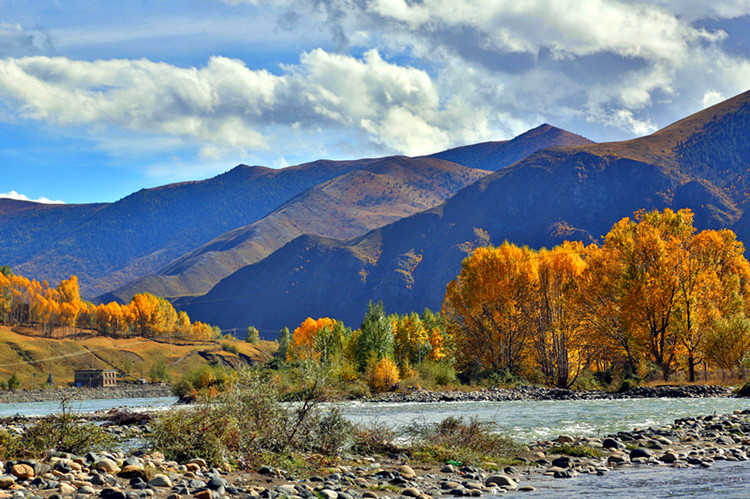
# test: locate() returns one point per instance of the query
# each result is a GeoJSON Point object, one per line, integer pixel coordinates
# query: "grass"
{"type": "Point", "coordinates": [33, 357]}
{"type": "Point", "coordinates": [576, 450]}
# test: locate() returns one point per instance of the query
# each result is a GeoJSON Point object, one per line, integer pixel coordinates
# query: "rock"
{"type": "Point", "coordinates": [501, 481]}
{"type": "Point", "coordinates": [328, 494]}
{"type": "Point", "coordinates": [641, 452]}
{"type": "Point", "coordinates": [203, 494]}
{"type": "Point", "coordinates": [565, 439]}
{"type": "Point", "coordinates": [407, 472]}
{"type": "Point", "coordinates": [107, 465]}
{"type": "Point", "coordinates": [193, 467]}
{"type": "Point", "coordinates": [448, 468]}
{"type": "Point", "coordinates": [131, 471]}
{"type": "Point", "coordinates": [112, 494]}
{"type": "Point", "coordinates": [198, 461]}
{"type": "Point", "coordinates": [611, 443]}
{"type": "Point", "coordinates": [669, 457]}
{"type": "Point", "coordinates": [526, 488]}
{"type": "Point", "coordinates": [160, 481]}
{"type": "Point", "coordinates": [563, 462]}
{"type": "Point", "coordinates": [86, 490]}
{"type": "Point", "coordinates": [22, 471]}
{"type": "Point", "coordinates": [368, 494]}
{"type": "Point", "coordinates": [411, 492]}
{"type": "Point", "coordinates": [617, 459]}
{"type": "Point", "coordinates": [66, 489]}
{"type": "Point", "coordinates": [216, 482]}
{"type": "Point", "coordinates": [565, 474]}
{"type": "Point", "coordinates": [174, 496]}
{"type": "Point", "coordinates": [7, 481]}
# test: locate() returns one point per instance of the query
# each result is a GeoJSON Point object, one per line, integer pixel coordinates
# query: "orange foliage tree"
{"type": "Point", "coordinates": [303, 344]}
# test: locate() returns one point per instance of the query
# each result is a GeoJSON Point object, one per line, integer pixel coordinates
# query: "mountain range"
{"type": "Point", "coordinates": [264, 247]}
{"type": "Point", "coordinates": [558, 193]}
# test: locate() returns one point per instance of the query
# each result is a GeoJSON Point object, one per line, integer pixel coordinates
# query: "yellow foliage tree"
{"type": "Point", "coordinates": [303, 344]}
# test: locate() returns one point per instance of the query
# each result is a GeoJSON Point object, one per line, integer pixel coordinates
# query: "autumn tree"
{"type": "Point", "coordinates": [303, 346]}
{"type": "Point", "coordinates": [488, 309]}
{"type": "Point", "coordinates": [557, 343]}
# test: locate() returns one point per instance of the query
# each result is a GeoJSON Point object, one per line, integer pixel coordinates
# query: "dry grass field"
{"type": "Point", "coordinates": [32, 357]}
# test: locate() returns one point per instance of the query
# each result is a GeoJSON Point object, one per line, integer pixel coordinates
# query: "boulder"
{"type": "Point", "coordinates": [641, 452]}
{"type": "Point", "coordinates": [160, 481]}
{"type": "Point", "coordinates": [22, 471]}
{"type": "Point", "coordinates": [501, 481]}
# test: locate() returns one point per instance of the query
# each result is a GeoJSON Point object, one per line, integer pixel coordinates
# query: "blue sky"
{"type": "Point", "coordinates": [99, 99]}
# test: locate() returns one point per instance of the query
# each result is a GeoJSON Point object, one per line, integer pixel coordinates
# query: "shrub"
{"type": "Point", "coordinates": [10, 444]}
{"type": "Point", "coordinates": [64, 433]}
{"type": "Point", "coordinates": [375, 437]}
{"type": "Point", "coordinates": [13, 382]}
{"type": "Point", "coordinates": [438, 373]}
{"type": "Point", "coordinates": [248, 421]}
{"type": "Point", "coordinates": [381, 375]}
{"type": "Point", "coordinates": [457, 439]}
{"type": "Point", "coordinates": [253, 335]}
{"type": "Point", "coordinates": [230, 346]}
{"type": "Point", "coordinates": [576, 450]}
{"type": "Point", "coordinates": [158, 371]}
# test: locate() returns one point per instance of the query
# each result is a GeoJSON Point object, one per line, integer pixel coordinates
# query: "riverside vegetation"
{"type": "Point", "coordinates": [657, 300]}
{"type": "Point", "coordinates": [245, 442]}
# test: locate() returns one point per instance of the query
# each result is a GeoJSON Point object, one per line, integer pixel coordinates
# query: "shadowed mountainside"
{"type": "Point", "coordinates": [573, 193]}
{"type": "Point", "coordinates": [344, 207]}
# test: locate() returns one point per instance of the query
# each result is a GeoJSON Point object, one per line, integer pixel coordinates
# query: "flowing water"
{"type": "Point", "coordinates": [534, 420]}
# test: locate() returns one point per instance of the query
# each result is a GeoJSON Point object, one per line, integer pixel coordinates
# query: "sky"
{"type": "Point", "coordinates": [99, 99]}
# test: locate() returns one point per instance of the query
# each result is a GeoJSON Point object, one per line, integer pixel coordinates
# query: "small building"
{"type": "Point", "coordinates": [96, 378]}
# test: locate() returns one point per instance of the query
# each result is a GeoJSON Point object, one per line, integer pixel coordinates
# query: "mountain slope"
{"type": "Point", "coordinates": [497, 155]}
{"type": "Point", "coordinates": [110, 244]}
{"type": "Point", "coordinates": [555, 194]}
{"type": "Point", "coordinates": [344, 207]}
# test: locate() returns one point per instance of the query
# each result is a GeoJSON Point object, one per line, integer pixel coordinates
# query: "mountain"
{"type": "Point", "coordinates": [497, 155]}
{"type": "Point", "coordinates": [573, 193]}
{"type": "Point", "coordinates": [107, 245]}
{"type": "Point", "coordinates": [379, 192]}
{"type": "Point", "coordinates": [346, 206]}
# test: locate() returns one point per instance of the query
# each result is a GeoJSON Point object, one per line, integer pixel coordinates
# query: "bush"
{"type": "Point", "coordinates": [13, 382]}
{"type": "Point", "coordinates": [158, 371]}
{"type": "Point", "coordinates": [248, 421]}
{"type": "Point", "coordinates": [457, 439]}
{"type": "Point", "coordinates": [230, 346]}
{"type": "Point", "coordinates": [437, 373]}
{"type": "Point", "coordinates": [64, 433]}
{"type": "Point", "coordinates": [576, 450]}
{"type": "Point", "coordinates": [375, 437]}
{"type": "Point", "coordinates": [10, 444]}
{"type": "Point", "coordinates": [253, 335]}
{"type": "Point", "coordinates": [203, 379]}
{"type": "Point", "coordinates": [382, 375]}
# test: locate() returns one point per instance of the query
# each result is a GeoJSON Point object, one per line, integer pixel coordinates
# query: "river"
{"type": "Point", "coordinates": [534, 420]}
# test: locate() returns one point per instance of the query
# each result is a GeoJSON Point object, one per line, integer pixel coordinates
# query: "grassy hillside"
{"type": "Point", "coordinates": [26, 353]}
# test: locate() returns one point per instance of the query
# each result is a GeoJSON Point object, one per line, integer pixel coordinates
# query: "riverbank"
{"type": "Point", "coordinates": [692, 442]}
{"type": "Point", "coordinates": [538, 393]}
{"type": "Point", "coordinates": [55, 394]}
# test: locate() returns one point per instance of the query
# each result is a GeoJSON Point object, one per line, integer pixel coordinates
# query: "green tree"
{"type": "Point", "coordinates": [253, 335]}
{"type": "Point", "coordinates": [283, 344]}
{"type": "Point", "coordinates": [6, 271]}
{"type": "Point", "coordinates": [375, 340]}
{"type": "Point", "coordinates": [13, 382]}
{"type": "Point", "coordinates": [158, 371]}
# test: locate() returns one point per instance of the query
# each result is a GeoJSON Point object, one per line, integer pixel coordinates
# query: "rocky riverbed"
{"type": "Point", "coordinates": [696, 442]}
{"type": "Point", "coordinates": [538, 393]}
{"type": "Point", "coordinates": [53, 394]}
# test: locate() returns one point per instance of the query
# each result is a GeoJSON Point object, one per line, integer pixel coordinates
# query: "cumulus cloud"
{"type": "Point", "coordinates": [428, 74]}
{"type": "Point", "coordinates": [21, 197]}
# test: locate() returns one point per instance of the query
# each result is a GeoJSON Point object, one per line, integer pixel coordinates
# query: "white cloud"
{"type": "Point", "coordinates": [712, 97]}
{"type": "Point", "coordinates": [21, 197]}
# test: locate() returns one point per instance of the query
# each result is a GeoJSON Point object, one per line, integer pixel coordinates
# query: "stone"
{"type": "Point", "coordinates": [407, 472]}
{"type": "Point", "coordinates": [368, 494]}
{"type": "Point", "coordinates": [411, 492]}
{"type": "Point", "coordinates": [199, 462]}
{"type": "Point", "coordinates": [86, 490]}
{"type": "Point", "coordinates": [565, 439]}
{"type": "Point", "coordinates": [22, 471]}
{"type": "Point", "coordinates": [526, 488]}
{"type": "Point", "coordinates": [641, 452]}
{"type": "Point", "coordinates": [203, 494]}
{"type": "Point", "coordinates": [107, 465]}
{"type": "Point", "coordinates": [501, 481]}
{"type": "Point", "coordinates": [66, 489]}
{"type": "Point", "coordinates": [669, 457]}
{"type": "Point", "coordinates": [617, 459]}
{"type": "Point", "coordinates": [132, 470]}
{"type": "Point", "coordinates": [565, 474]}
{"type": "Point", "coordinates": [611, 443]}
{"type": "Point", "coordinates": [328, 494]}
{"type": "Point", "coordinates": [216, 482]}
{"type": "Point", "coordinates": [193, 467]}
{"type": "Point", "coordinates": [6, 481]}
{"type": "Point", "coordinates": [160, 481]}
